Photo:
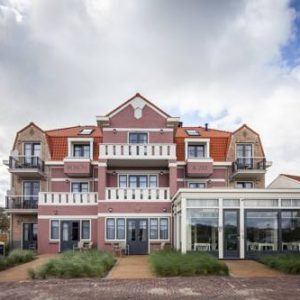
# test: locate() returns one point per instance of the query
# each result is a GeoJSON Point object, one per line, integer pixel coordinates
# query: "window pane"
{"type": "Point", "coordinates": [86, 151]}
{"type": "Point", "coordinates": [75, 231]}
{"type": "Point", "coordinates": [138, 138]}
{"type": "Point", "coordinates": [120, 229]}
{"type": "Point", "coordinates": [133, 181]}
{"type": "Point", "coordinates": [81, 150]}
{"type": "Point", "coordinates": [110, 229]}
{"type": "Point", "coordinates": [142, 182]}
{"type": "Point", "coordinates": [75, 187]}
{"type": "Point", "coordinates": [36, 149]}
{"type": "Point", "coordinates": [196, 151]}
{"type": "Point", "coordinates": [84, 187]}
{"type": "Point", "coordinates": [123, 181]}
{"type": "Point", "coordinates": [153, 181]}
{"type": "Point", "coordinates": [154, 229]}
{"type": "Point", "coordinates": [196, 185]}
{"type": "Point", "coordinates": [164, 229]}
{"type": "Point", "coordinates": [54, 229]}
{"type": "Point", "coordinates": [290, 224]}
{"type": "Point", "coordinates": [85, 231]}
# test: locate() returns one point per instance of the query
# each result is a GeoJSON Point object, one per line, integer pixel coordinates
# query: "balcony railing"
{"type": "Point", "coordinates": [26, 162]}
{"type": "Point", "coordinates": [137, 194]}
{"type": "Point", "coordinates": [140, 151]}
{"type": "Point", "coordinates": [246, 163]}
{"type": "Point", "coordinates": [21, 202]}
{"type": "Point", "coordinates": [68, 198]}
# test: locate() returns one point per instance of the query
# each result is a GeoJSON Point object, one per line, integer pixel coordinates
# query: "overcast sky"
{"type": "Point", "coordinates": [223, 62]}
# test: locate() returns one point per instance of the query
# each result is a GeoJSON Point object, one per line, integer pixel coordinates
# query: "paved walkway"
{"type": "Point", "coordinates": [250, 268]}
{"type": "Point", "coordinates": [19, 273]}
{"type": "Point", "coordinates": [131, 267]}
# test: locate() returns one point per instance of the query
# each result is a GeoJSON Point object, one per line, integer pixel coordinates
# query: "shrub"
{"type": "Point", "coordinates": [287, 263]}
{"type": "Point", "coordinates": [173, 263]}
{"type": "Point", "coordinates": [16, 257]}
{"type": "Point", "coordinates": [92, 263]}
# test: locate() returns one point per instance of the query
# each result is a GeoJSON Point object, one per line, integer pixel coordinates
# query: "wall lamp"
{"type": "Point", "coordinates": [161, 131]}
{"type": "Point", "coordinates": [114, 130]}
{"type": "Point", "coordinates": [164, 209]}
{"type": "Point", "coordinates": [110, 209]}
{"type": "Point", "coordinates": [161, 173]}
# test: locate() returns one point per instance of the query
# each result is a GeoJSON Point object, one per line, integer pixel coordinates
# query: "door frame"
{"type": "Point", "coordinates": [238, 251]}
{"type": "Point", "coordinates": [61, 234]}
{"type": "Point", "coordinates": [22, 233]}
{"type": "Point", "coordinates": [147, 231]}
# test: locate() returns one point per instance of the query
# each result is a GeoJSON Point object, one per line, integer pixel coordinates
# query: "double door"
{"type": "Point", "coordinates": [137, 236]}
{"type": "Point", "coordinates": [29, 236]}
{"type": "Point", "coordinates": [70, 234]}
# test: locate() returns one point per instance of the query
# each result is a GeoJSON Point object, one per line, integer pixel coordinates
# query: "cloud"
{"type": "Point", "coordinates": [63, 62]}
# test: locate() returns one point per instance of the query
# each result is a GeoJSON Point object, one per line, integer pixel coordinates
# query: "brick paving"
{"type": "Point", "coordinates": [20, 272]}
{"type": "Point", "coordinates": [131, 267]}
{"type": "Point", "coordinates": [210, 287]}
{"type": "Point", "coordinates": [250, 268]}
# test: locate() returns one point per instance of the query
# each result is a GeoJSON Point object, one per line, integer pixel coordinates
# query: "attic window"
{"type": "Point", "coordinates": [192, 132]}
{"type": "Point", "coordinates": [86, 131]}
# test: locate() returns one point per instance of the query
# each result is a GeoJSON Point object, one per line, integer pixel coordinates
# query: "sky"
{"type": "Point", "coordinates": [222, 62]}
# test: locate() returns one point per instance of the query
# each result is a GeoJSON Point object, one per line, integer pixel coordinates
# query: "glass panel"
{"type": "Point", "coordinates": [65, 232]}
{"type": "Point", "coordinates": [86, 150]}
{"type": "Point", "coordinates": [75, 187]}
{"type": "Point", "coordinates": [138, 138]}
{"type": "Point", "coordinates": [75, 231]}
{"type": "Point", "coordinates": [131, 230]}
{"type": "Point", "coordinates": [154, 229]}
{"type": "Point", "coordinates": [153, 181]}
{"type": "Point", "coordinates": [261, 202]}
{"type": "Point", "coordinates": [34, 231]}
{"type": "Point", "coordinates": [262, 231]}
{"type": "Point", "coordinates": [133, 181]}
{"type": "Point", "coordinates": [202, 229]}
{"type": "Point", "coordinates": [231, 202]}
{"type": "Point", "coordinates": [85, 231]}
{"type": "Point", "coordinates": [84, 187]}
{"type": "Point", "coordinates": [197, 185]}
{"type": "Point", "coordinates": [164, 229]}
{"type": "Point", "coordinates": [123, 181]}
{"type": "Point", "coordinates": [36, 150]}
{"type": "Point", "coordinates": [202, 203]}
{"type": "Point", "coordinates": [110, 229]}
{"type": "Point", "coordinates": [26, 232]}
{"type": "Point", "coordinates": [196, 151]}
{"type": "Point", "coordinates": [120, 229]}
{"type": "Point", "coordinates": [244, 185]}
{"type": "Point", "coordinates": [142, 232]}
{"type": "Point", "coordinates": [54, 229]}
{"type": "Point", "coordinates": [290, 224]}
{"type": "Point", "coordinates": [231, 230]}
{"type": "Point", "coordinates": [81, 150]}
{"type": "Point", "coordinates": [142, 182]}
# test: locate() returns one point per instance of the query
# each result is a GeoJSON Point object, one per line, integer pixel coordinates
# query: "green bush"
{"type": "Point", "coordinates": [287, 263]}
{"type": "Point", "coordinates": [171, 263]}
{"type": "Point", "coordinates": [92, 263]}
{"type": "Point", "coordinates": [16, 257]}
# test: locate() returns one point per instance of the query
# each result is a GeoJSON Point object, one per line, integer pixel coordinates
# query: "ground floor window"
{"type": "Point", "coordinates": [290, 228]}
{"type": "Point", "coordinates": [202, 229]}
{"type": "Point", "coordinates": [85, 229]}
{"type": "Point", "coordinates": [30, 231]}
{"type": "Point", "coordinates": [54, 231]}
{"type": "Point", "coordinates": [115, 228]}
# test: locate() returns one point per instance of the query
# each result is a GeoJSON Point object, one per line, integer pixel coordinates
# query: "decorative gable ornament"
{"type": "Point", "coordinates": [138, 105]}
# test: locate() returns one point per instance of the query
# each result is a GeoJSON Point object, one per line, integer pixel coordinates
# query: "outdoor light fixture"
{"type": "Point", "coordinates": [114, 130]}
{"type": "Point", "coordinates": [114, 173]}
{"type": "Point", "coordinates": [161, 173]}
{"type": "Point", "coordinates": [164, 209]}
{"type": "Point", "coordinates": [110, 209]}
{"type": "Point", "coordinates": [161, 131]}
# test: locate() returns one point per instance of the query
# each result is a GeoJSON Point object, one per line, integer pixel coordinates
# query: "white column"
{"type": "Point", "coordinates": [221, 236]}
{"type": "Point", "coordinates": [177, 233]}
{"type": "Point", "coordinates": [183, 225]}
{"type": "Point", "coordinates": [242, 229]}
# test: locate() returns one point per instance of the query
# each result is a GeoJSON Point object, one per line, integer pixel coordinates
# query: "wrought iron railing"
{"type": "Point", "coordinates": [26, 162]}
{"type": "Point", "coordinates": [22, 202]}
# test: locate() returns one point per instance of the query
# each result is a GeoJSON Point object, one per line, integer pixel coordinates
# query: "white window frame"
{"type": "Point", "coordinates": [80, 181]}
{"type": "Point", "coordinates": [198, 141]}
{"type": "Point", "coordinates": [72, 141]}
{"type": "Point", "coordinates": [245, 181]}
{"type": "Point", "coordinates": [138, 131]}
{"type": "Point", "coordinates": [138, 174]}
{"type": "Point", "coordinates": [243, 143]}
{"type": "Point", "coordinates": [115, 229]}
{"type": "Point", "coordinates": [203, 182]}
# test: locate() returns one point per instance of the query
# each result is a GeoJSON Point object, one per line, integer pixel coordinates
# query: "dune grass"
{"type": "Point", "coordinates": [16, 257]}
{"type": "Point", "coordinates": [286, 263]}
{"type": "Point", "coordinates": [92, 263]}
{"type": "Point", "coordinates": [172, 263]}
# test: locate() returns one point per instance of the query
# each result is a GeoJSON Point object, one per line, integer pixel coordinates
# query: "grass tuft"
{"type": "Point", "coordinates": [286, 263]}
{"type": "Point", "coordinates": [169, 263]}
{"type": "Point", "coordinates": [16, 257]}
{"type": "Point", "coordinates": [92, 263]}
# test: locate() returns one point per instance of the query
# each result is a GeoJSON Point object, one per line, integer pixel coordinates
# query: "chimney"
{"type": "Point", "coordinates": [206, 126]}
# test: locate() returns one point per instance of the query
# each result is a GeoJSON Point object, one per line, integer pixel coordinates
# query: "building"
{"type": "Point", "coordinates": [284, 181]}
{"type": "Point", "coordinates": [141, 179]}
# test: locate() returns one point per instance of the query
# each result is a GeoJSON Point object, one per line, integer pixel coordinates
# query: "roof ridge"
{"type": "Point", "coordinates": [64, 128]}
{"type": "Point", "coordinates": [209, 128]}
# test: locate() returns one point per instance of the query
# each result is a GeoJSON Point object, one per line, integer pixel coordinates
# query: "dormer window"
{"type": "Point", "coordinates": [138, 138]}
{"type": "Point", "coordinates": [244, 155]}
{"type": "Point", "coordinates": [197, 148]}
{"type": "Point", "coordinates": [192, 132]}
{"type": "Point", "coordinates": [196, 151]}
{"type": "Point", "coordinates": [81, 150]}
{"type": "Point", "coordinates": [86, 131]}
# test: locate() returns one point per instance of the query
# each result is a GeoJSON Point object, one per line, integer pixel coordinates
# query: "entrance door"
{"type": "Point", "coordinates": [29, 236]}
{"type": "Point", "coordinates": [231, 234]}
{"type": "Point", "coordinates": [137, 236]}
{"type": "Point", "coordinates": [70, 234]}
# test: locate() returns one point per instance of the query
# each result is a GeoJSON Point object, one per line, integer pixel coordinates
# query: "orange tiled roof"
{"type": "Point", "coordinates": [219, 141]}
{"type": "Point", "coordinates": [58, 140]}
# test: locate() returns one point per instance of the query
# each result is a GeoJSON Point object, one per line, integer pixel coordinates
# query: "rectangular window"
{"type": "Point", "coordinates": [290, 224]}
{"type": "Point", "coordinates": [163, 229]}
{"type": "Point", "coordinates": [244, 185]}
{"type": "Point", "coordinates": [138, 181]}
{"type": "Point", "coordinates": [31, 154]}
{"type": "Point", "coordinates": [81, 150]}
{"type": "Point", "coordinates": [31, 190]}
{"type": "Point", "coordinates": [123, 181]}
{"type": "Point", "coordinates": [153, 229]}
{"type": "Point", "coordinates": [153, 181]}
{"type": "Point", "coordinates": [192, 132]}
{"type": "Point", "coordinates": [196, 151]}
{"type": "Point", "coordinates": [197, 185]}
{"type": "Point", "coordinates": [120, 229]}
{"type": "Point", "coordinates": [54, 235]}
{"type": "Point", "coordinates": [110, 229]}
{"type": "Point", "coordinates": [80, 187]}
{"type": "Point", "coordinates": [138, 138]}
{"type": "Point", "coordinates": [244, 156]}
{"type": "Point", "coordinates": [85, 229]}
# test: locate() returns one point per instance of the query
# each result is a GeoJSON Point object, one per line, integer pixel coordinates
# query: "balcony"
{"type": "Point", "coordinates": [249, 168]}
{"type": "Point", "coordinates": [147, 194]}
{"type": "Point", "coordinates": [77, 167]}
{"type": "Point", "coordinates": [199, 167]}
{"type": "Point", "coordinates": [66, 199]}
{"type": "Point", "coordinates": [21, 203]}
{"type": "Point", "coordinates": [141, 154]}
{"type": "Point", "coordinates": [26, 166]}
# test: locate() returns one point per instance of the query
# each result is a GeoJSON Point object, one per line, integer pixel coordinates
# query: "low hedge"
{"type": "Point", "coordinates": [172, 263]}
{"type": "Point", "coordinates": [92, 263]}
{"type": "Point", "coordinates": [16, 257]}
{"type": "Point", "coordinates": [286, 263]}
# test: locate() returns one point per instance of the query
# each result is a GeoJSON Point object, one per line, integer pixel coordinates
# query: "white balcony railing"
{"type": "Point", "coordinates": [138, 151]}
{"type": "Point", "coordinates": [68, 198]}
{"type": "Point", "coordinates": [137, 194]}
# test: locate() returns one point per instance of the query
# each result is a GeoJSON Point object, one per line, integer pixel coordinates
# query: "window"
{"type": "Point", "coordinates": [197, 185]}
{"type": "Point", "coordinates": [120, 229]}
{"type": "Point", "coordinates": [244, 155]}
{"type": "Point", "coordinates": [31, 154]}
{"type": "Point", "coordinates": [192, 132]}
{"type": "Point", "coordinates": [81, 150]}
{"type": "Point", "coordinates": [31, 190]}
{"type": "Point", "coordinates": [86, 131]}
{"type": "Point", "coordinates": [54, 232]}
{"type": "Point", "coordinates": [196, 151]}
{"type": "Point", "coordinates": [110, 229]}
{"type": "Point", "coordinates": [152, 181]}
{"type": "Point", "coordinates": [244, 185]}
{"type": "Point", "coordinates": [85, 229]}
{"type": "Point", "coordinates": [163, 229]}
{"type": "Point", "coordinates": [80, 187]}
{"type": "Point", "coordinates": [153, 229]}
{"type": "Point", "coordinates": [123, 181]}
{"type": "Point", "coordinates": [138, 138]}
{"type": "Point", "coordinates": [138, 181]}
{"type": "Point", "coordinates": [290, 224]}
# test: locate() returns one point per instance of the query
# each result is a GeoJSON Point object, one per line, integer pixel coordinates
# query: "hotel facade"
{"type": "Point", "coordinates": [144, 181]}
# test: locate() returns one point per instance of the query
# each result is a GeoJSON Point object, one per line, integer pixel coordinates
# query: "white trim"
{"type": "Point", "coordinates": [138, 174]}
{"type": "Point", "coordinates": [61, 162]}
{"type": "Point", "coordinates": [137, 215]}
{"type": "Point", "coordinates": [136, 131]}
{"type": "Point", "coordinates": [81, 181]}
{"type": "Point", "coordinates": [74, 140]}
{"type": "Point", "coordinates": [49, 224]}
{"type": "Point", "coordinates": [102, 164]}
{"type": "Point", "coordinates": [139, 129]}
{"type": "Point", "coordinates": [204, 180]}
{"type": "Point", "coordinates": [244, 181]}
{"type": "Point", "coordinates": [72, 179]}
{"type": "Point", "coordinates": [199, 141]}
{"type": "Point", "coordinates": [75, 159]}
{"type": "Point", "coordinates": [222, 163]}
{"type": "Point", "coordinates": [135, 200]}
{"type": "Point", "coordinates": [66, 217]}
{"type": "Point", "coordinates": [172, 165]}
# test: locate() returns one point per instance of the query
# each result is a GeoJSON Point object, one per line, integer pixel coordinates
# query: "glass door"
{"type": "Point", "coordinates": [137, 236]}
{"type": "Point", "coordinates": [70, 234]}
{"type": "Point", "coordinates": [244, 156]}
{"type": "Point", "coordinates": [231, 234]}
{"type": "Point", "coordinates": [31, 191]}
{"type": "Point", "coordinates": [29, 236]}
